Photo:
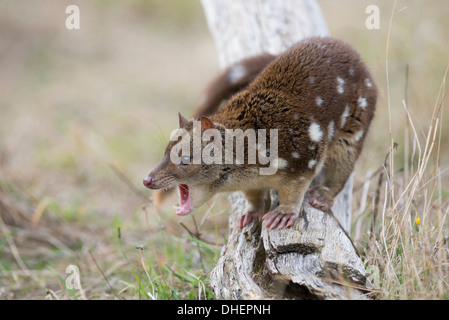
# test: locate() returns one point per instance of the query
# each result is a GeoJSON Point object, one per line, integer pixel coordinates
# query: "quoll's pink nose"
{"type": "Point", "coordinates": [148, 181]}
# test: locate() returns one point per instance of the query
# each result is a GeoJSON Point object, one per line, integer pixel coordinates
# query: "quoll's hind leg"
{"type": "Point", "coordinates": [339, 164]}
{"type": "Point", "coordinates": [346, 146]}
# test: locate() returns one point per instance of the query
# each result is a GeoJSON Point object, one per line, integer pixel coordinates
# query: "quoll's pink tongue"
{"type": "Point", "coordinates": [184, 197]}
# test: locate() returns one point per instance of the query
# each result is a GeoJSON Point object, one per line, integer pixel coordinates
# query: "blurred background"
{"type": "Point", "coordinates": [85, 115]}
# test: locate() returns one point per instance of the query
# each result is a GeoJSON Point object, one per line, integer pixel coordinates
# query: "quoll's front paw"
{"type": "Point", "coordinates": [248, 217]}
{"type": "Point", "coordinates": [281, 217]}
{"type": "Point", "coordinates": [320, 199]}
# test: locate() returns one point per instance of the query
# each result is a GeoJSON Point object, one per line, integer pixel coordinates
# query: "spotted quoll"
{"type": "Point", "coordinates": [321, 99]}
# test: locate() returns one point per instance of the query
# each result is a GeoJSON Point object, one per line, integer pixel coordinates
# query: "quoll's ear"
{"type": "Point", "coordinates": [214, 135]}
{"type": "Point", "coordinates": [206, 123]}
{"type": "Point", "coordinates": [182, 120]}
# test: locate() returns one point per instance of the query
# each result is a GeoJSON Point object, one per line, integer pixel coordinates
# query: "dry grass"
{"type": "Point", "coordinates": [85, 115]}
{"type": "Point", "coordinates": [403, 230]}
{"type": "Point", "coordinates": [406, 245]}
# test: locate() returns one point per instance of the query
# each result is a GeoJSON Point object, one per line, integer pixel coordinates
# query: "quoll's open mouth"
{"type": "Point", "coordinates": [185, 199]}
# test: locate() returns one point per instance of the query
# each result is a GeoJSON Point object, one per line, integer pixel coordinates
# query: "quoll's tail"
{"type": "Point", "coordinates": [229, 81]}
{"type": "Point", "coordinates": [222, 87]}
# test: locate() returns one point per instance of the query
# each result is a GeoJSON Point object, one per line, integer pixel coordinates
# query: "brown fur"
{"type": "Point", "coordinates": [321, 98]}
{"type": "Point", "coordinates": [230, 81]}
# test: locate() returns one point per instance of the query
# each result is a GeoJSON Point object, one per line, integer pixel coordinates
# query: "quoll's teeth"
{"type": "Point", "coordinates": [177, 209]}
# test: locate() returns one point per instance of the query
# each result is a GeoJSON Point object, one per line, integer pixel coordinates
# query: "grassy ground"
{"type": "Point", "coordinates": [85, 115]}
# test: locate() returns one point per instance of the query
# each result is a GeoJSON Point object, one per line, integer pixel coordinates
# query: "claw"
{"type": "Point", "coordinates": [283, 223]}
{"type": "Point", "coordinates": [247, 218]}
{"type": "Point", "coordinates": [290, 222]}
{"type": "Point", "coordinates": [276, 219]}
{"type": "Point", "coordinates": [275, 222]}
{"type": "Point", "coordinates": [270, 216]}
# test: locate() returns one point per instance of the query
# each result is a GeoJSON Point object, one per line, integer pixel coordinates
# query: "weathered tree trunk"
{"type": "Point", "coordinates": [314, 258]}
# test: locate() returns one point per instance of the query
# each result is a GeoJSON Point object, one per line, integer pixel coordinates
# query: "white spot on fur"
{"type": "Point", "coordinates": [358, 135]}
{"type": "Point", "coordinates": [291, 130]}
{"type": "Point", "coordinates": [236, 73]}
{"type": "Point", "coordinates": [312, 147]}
{"type": "Point", "coordinates": [312, 164]}
{"type": "Point", "coordinates": [319, 101]}
{"type": "Point", "coordinates": [351, 71]}
{"type": "Point", "coordinates": [344, 116]}
{"type": "Point", "coordinates": [312, 80]}
{"type": "Point", "coordinates": [368, 83]}
{"type": "Point", "coordinates": [296, 116]}
{"type": "Point", "coordinates": [330, 130]}
{"type": "Point", "coordinates": [302, 178]}
{"type": "Point", "coordinates": [341, 85]}
{"type": "Point", "coordinates": [315, 132]}
{"type": "Point", "coordinates": [280, 163]}
{"type": "Point", "coordinates": [295, 155]}
{"type": "Point", "coordinates": [362, 102]}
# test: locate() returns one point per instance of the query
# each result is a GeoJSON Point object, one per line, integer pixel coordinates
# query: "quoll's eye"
{"type": "Point", "coordinates": [185, 160]}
